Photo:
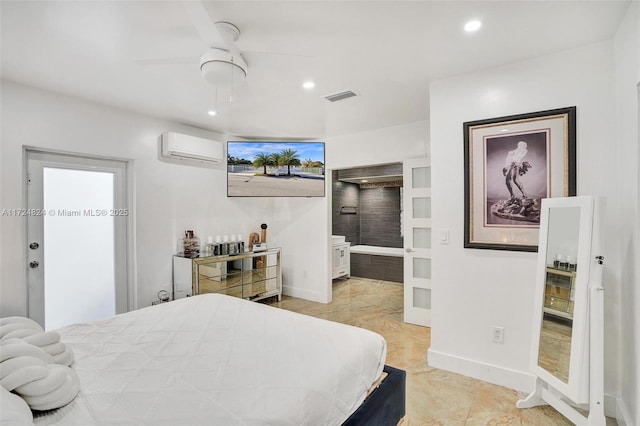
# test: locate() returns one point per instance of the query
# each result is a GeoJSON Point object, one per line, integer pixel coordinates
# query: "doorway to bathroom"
{"type": "Point", "coordinates": [367, 211]}
{"type": "Point", "coordinates": [372, 209]}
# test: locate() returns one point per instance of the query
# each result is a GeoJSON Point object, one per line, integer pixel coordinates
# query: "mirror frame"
{"type": "Point", "coordinates": [577, 387]}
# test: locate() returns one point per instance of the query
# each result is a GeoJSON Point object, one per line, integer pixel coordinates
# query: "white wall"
{"type": "Point", "coordinates": [169, 198]}
{"type": "Point", "coordinates": [627, 62]}
{"type": "Point", "coordinates": [476, 289]}
{"type": "Point", "coordinates": [386, 145]}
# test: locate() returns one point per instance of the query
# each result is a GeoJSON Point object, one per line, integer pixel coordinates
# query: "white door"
{"type": "Point", "coordinates": [76, 238]}
{"type": "Point", "coordinates": [416, 201]}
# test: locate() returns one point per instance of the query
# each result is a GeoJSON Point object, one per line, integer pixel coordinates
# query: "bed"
{"type": "Point", "coordinates": [218, 360]}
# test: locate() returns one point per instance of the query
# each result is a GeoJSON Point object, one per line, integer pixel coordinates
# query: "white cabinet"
{"type": "Point", "coordinates": [341, 263]}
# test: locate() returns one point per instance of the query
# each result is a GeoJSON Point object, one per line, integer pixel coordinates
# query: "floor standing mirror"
{"type": "Point", "coordinates": [567, 344]}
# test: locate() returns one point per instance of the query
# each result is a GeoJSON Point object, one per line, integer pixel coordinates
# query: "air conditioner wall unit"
{"type": "Point", "coordinates": [176, 145]}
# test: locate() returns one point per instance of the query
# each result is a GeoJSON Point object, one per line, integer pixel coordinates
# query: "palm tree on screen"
{"type": "Point", "coordinates": [290, 157]}
{"type": "Point", "coordinates": [276, 160]}
{"type": "Point", "coordinates": [262, 160]}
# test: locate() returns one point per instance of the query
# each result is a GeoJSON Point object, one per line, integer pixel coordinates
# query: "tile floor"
{"type": "Point", "coordinates": [434, 397]}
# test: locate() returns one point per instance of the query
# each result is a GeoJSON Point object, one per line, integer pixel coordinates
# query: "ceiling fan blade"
{"type": "Point", "coordinates": [188, 60]}
{"type": "Point", "coordinates": [270, 53]}
{"type": "Point", "coordinates": [204, 24]}
{"type": "Point", "coordinates": [284, 61]}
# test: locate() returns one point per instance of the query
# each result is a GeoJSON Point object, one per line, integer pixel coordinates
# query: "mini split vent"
{"type": "Point", "coordinates": [334, 97]}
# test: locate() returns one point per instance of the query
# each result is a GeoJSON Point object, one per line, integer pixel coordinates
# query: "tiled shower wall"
{"type": "Point", "coordinates": [345, 195]}
{"type": "Point", "coordinates": [380, 217]}
{"type": "Point", "coordinates": [377, 221]}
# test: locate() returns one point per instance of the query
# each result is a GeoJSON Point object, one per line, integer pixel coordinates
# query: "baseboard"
{"type": "Point", "coordinates": [620, 412]}
{"type": "Point", "coordinates": [302, 293]}
{"type": "Point", "coordinates": [512, 379]}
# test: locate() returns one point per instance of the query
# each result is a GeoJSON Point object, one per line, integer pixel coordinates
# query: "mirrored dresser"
{"type": "Point", "coordinates": [560, 293]}
{"type": "Point", "coordinates": [250, 275]}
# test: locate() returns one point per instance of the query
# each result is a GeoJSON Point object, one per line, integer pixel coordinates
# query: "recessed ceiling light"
{"type": "Point", "coordinates": [212, 113]}
{"type": "Point", "coordinates": [473, 25]}
{"type": "Point", "coordinates": [364, 181]}
{"type": "Point", "coordinates": [308, 85]}
{"type": "Point", "coordinates": [504, 130]}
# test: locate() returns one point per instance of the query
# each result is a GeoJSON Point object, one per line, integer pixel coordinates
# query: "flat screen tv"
{"type": "Point", "coordinates": [275, 169]}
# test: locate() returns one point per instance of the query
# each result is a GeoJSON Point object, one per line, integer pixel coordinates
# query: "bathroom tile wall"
{"type": "Point", "coordinates": [380, 217]}
{"type": "Point", "coordinates": [345, 194]}
{"type": "Point", "coordinates": [387, 268]}
{"type": "Point", "coordinates": [377, 219]}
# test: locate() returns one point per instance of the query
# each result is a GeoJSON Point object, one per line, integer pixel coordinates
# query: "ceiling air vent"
{"type": "Point", "coordinates": [334, 97]}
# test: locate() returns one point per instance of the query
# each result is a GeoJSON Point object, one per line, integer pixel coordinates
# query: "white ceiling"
{"type": "Point", "coordinates": [144, 55]}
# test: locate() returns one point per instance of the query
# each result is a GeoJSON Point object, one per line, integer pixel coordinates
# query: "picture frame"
{"type": "Point", "coordinates": [510, 164]}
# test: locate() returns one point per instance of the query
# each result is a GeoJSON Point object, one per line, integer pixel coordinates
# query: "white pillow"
{"type": "Point", "coordinates": [14, 410]}
{"type": "Point", "coordinates": [34, 365]}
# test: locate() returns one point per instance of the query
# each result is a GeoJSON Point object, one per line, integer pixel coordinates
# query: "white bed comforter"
{"type": "Point", "coordinates": [218, 360]}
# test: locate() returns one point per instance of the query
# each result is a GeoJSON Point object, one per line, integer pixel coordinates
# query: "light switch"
{"type": "Point", "coordinates": [444, 236]}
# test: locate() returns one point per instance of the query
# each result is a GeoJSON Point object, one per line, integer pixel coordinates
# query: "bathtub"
{"type": "Point", "coordinates": [378, 251]}
{"type": "Point", "coordinates": [381, 263]}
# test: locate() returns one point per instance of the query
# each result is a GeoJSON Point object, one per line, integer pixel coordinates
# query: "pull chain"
{"type": "Point", "coordinates": [231, 94]}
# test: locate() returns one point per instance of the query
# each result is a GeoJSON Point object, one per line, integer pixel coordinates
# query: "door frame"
{"type": "Point", "coordinates": [128, 259]}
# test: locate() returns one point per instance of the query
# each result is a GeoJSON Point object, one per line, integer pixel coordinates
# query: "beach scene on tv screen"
{"type": "Point", "coordinates": [275, 169]}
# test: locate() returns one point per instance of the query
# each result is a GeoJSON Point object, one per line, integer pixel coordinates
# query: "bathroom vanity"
{"type": "Point", "coordinates": [340, 257]}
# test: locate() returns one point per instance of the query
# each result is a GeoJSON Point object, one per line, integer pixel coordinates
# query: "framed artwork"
{"type": "Point", "coordinates": [510, 164]}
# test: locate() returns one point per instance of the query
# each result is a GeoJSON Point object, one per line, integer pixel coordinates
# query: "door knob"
{"type": "Point", "coordinates": [34, 246]}
{"type": "Point", "coordinates": [34, 264]}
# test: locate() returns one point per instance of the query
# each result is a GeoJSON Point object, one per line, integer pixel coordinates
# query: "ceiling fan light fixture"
{"type": "Point", "coordinates": [219, 68]}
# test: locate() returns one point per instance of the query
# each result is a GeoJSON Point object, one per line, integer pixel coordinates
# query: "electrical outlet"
{"type": "Point", "coordinates": [497, 334]}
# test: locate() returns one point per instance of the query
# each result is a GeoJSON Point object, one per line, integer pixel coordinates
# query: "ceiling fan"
{"type": "Point", "coordinates": [221, 65]}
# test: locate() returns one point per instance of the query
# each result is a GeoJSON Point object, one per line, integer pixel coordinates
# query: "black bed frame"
{"type": "Point", "coordinates": [386, 405]}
